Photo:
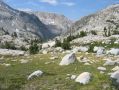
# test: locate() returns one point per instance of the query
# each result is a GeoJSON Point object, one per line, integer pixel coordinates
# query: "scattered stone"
{"type": "Point", "coordinates": [113, 51]}
{"type": "Point", "coordinates": [24, 61]}
{"type": "Point", "coordinates": [83, 78]}
{"type": "Point", "coordinates": [11, 52]}
{"type": "Point", "coordinates": [95, 49]}
{"type": "Point", "coordinates": [7, 65]}
{"type": "Point", "coordinates": [87, 64]}
{"type": "Point", "coordinates": [101, 72]}
{"type": "Point", "coordinates": [83, 49]}
{"type": "Point", "coordinates": [115, 68]}
{"type": "Point", "coordinates": [45, 52]}
{"type": "Point", "coordinates": [68, 59]}
{"type": "Point", "coordinates": [109, 62]}
{"type": "Point", "coordinates": [100, 51]}
{"type": "Point", "coordinates": [52, 58]}
{"type": "Point", "coordinates": [83, 59]}
{"type": "Point", "coordinates": [35, 74]}
{"type": "Point", "coordinates": [73, 77]}
{"type": "Point", "coordinates": [101, 68]}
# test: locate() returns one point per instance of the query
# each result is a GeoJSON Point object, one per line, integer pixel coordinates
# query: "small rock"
{"type": "Point", "coordinates": [115, 68]}
{"type": "Point", "coordinates": [101, 68]}
{"type": "Point", "coordinates": [73, 77]}
{"type": "Point", "coordinates": [35, 73]}
{"type": "Point", "coordinates": [24, 61]}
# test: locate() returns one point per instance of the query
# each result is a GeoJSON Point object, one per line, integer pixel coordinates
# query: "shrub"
{"type": "Point", "coordinates": [65, 44]}
{"type": "Point", "coordinates": [107, 33]}
{"type": "Point", "coordinates": [93, 32]}
{"type": "Point", "coordinates": [23, 48]}
{"type": "Point", "coordinates": [115, 32]}
{"type": "Point", "coordinates": [34, 48]}
{"type": "Point", "coordinates": [14, 34]}
{"type": "Point", "coordinates": [57, 43]}
{"type": "Point", "coordinates": [83, 33]}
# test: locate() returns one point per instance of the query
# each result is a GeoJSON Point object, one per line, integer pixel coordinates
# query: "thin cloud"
{"type": "Point", "coordinates": [69, 3]}
{"type": "Point", "coordinates": [51, 2]}
{"type": "Point", "coordinates": [25, 9]}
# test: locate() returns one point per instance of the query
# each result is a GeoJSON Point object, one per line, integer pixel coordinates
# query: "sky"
{"type": "Point", "coordinates": [73, 9]}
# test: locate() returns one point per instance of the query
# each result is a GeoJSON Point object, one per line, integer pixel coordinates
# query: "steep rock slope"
{"type": "Point", "coordinates": [57, 24]}
{"type": "Point", "coordinates": [108, 18]}
{"type": "Point", "coordinates": [25, 25]}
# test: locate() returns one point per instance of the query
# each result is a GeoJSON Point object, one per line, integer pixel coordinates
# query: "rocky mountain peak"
{"type": "Point", "coordinates": [108, 17]}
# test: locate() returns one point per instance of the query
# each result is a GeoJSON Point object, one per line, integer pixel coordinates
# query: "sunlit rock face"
{"type": "Point", "coordinates": [27, 26]}
{"type": "Point", "coordinates": [108, 17]}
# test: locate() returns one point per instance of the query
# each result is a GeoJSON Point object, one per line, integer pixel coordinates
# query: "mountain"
{"type": "Point", "coordinates": [27, 26]}
{"type": "Point", "coordinates": [57, 24]}
{"type": "Point", "coordinates": [106, 18]}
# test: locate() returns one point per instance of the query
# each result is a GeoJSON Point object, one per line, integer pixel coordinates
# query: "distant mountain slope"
{"type": "Point", "coordinates": [26, 25]}
{"type": "Point", "coordinates": [57, 24]}
{"type": "Point", "coordinates": [108, 18]}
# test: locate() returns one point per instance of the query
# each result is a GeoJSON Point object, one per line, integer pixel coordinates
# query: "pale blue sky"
{"type": "Point", "coordinates": [73, 9]}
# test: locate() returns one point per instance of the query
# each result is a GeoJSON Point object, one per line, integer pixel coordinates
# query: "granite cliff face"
{"type": "Point", "coordinates": [57, 24]}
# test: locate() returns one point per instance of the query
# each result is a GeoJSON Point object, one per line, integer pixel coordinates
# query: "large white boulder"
{"type": "Point", "coordinates": [83, 78]}
{"type": "Point", "coordinates": [68, 59]}
{"type": "Point", "coordinates": [115, 76]}
{"type": "Point", "coordinates": [113, 51]}
{"type": "Point", "coordinates": [35, 74]}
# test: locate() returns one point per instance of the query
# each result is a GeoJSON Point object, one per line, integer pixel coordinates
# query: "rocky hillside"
{"type": "Point", "coordinates": [25, 25]}
{"type": "Point", "coordinates": [106, 18]}
{"type": "Point", "coordinates": [57, 24]}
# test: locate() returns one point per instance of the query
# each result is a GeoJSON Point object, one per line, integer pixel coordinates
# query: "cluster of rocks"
{"type": "Point", "coordinates": [12, 52]}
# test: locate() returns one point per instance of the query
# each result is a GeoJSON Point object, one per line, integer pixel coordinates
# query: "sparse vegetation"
{"type": "Point", "coordinates": [14, 34]}
{"type": "Point", "coordinates": [8, 45]}
{"type": "Point", "coordinates": [93, 32]}
{"type": "Point", "coordinates": [83, 33]}
{"type": "Point", "coordinates": [15, 76]}
{"type": "Point", "coordinates": [34, 48]}
{"type": "Point", "coordinates": [115, 32]}
{"type": "Point", "coordinates": [65, 44]}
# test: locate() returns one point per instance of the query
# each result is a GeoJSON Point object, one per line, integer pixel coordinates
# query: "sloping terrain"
{"type": "Point", "coordinates": [57, 24]}
{"type": "Point", "coordinates": [106, 18]}
{"type": "Point", "coordinates": [25, 25]}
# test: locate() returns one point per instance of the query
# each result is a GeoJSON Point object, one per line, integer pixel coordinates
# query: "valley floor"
{"type": "Point", "coordinates": [15, 70]}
